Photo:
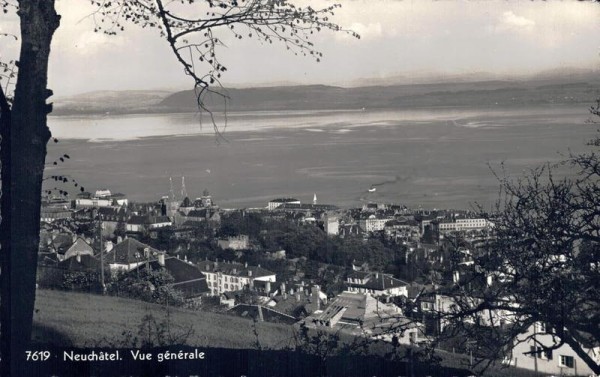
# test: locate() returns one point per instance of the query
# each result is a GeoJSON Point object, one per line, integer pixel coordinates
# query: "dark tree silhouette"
{"type": "Point", "coordinates": [542, 267]}
{"type": "Point", "coordinates": [189, 28]}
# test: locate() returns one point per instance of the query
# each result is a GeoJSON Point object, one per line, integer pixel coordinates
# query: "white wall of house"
{"type": "Point", "coordinates": [562, 361]}
{"type": "Point", "coordinates": [219, 282]}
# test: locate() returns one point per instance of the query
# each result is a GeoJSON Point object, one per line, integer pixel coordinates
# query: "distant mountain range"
{"type": "Point", "coordinates": [554, 87]}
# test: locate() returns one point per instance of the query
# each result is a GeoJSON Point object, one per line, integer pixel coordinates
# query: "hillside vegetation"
{"type": "Point", "coordinates": [85, 320]}
{"type": "Point", "coordinates": [543, 90]}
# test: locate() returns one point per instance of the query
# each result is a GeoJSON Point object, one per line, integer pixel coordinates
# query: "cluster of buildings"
{"type": "Point", "coordinates": [371, 304]}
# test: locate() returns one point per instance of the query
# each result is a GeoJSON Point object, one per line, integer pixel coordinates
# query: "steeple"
{"type": "Point", "coordinates": [315, 199]}
{"type": "Point", "coordinates": [183, 190]}
{"type": "Point", "coordinates": [171, 191]}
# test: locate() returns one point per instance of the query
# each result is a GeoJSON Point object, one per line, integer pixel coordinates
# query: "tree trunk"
{"type": "Point", "coordinates": [24, 142]}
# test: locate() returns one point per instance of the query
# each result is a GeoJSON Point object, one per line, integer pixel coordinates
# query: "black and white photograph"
{"type": "Point", "coordinates": [300, 188]}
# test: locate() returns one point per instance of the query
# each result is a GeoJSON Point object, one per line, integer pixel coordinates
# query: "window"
{"type": "Point", "coordinates": [540, 353]}
{"type": "Point", "coordinates": [566, 361]}
{"type": "Point", "coordinates": [540, 327]}
{"type": "Point", "coordinates": [532, 351]}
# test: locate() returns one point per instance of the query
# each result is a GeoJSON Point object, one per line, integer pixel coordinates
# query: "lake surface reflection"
{"type": "Point", "coordinates": [431, 158]}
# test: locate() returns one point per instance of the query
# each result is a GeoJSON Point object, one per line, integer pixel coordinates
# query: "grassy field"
{"type": "Point", "coordinates": [84, 320]}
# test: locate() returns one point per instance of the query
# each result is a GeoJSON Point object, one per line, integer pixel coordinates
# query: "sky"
{"type": "Point", "coordinates": [398, 38]}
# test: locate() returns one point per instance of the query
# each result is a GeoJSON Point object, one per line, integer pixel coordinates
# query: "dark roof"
{"type": "Point", "coordinates": [197, 213]}
{"type": "Point", "coordinates": [159, 219]}
{"type": "Point", "coordinates": [284, 200]}
{"type": "Point", "coordinates": [110, 213]}
{"type": "Point", "coordinates": [586, 339]}
{"type": "Point", "coordinates": [359, 274]}
{"type": "Point", "coordinates": [379, 282]}
{"type": "Point", "coordinates": [55, 210]}
{"type": "Point", "coordinates": [85, 263]}
{"type": "Point", "coordinates": [47, 258]}
{"type": "Point", "coordinates": [236, 269]}
{"type": "Point", "coordinates": [302, 207]}
{"type": "Point", "coordinates": [130, 251]}
{"type": "Point", "coordinates": [260, 312]}
{"type": "Point", "coordinates": [186, 277]}
{"type": "Point", "coordinates": [139, 220]}
{"type": "Point", "coordinates": [193, 224]}
{"type": "Point", "coordinates": [182, 271]}
{"type": "Point", "coordinates": [147, 219]}
{"type": "Point", "coordinates": [403, 222]}
{"type": "Point", "coordinates": [62, 242]}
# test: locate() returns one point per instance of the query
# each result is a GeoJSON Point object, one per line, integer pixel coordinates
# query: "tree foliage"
{"type": "Point", "coordinates": [195, 29]}
{"type": "Point", "coordinates": [189, 27]}
{"type": "Point", "coordinates": [542, 266]}
{"type": "Point", "coordinates": [152, 286]}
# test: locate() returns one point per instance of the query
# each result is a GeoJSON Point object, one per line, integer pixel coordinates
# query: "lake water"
{"type": "Point", "coordinates": [438, 158]}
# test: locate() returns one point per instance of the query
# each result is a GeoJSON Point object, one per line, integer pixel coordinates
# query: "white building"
{"type": "Point", "coordinates": [101, 198]}
{"type": "Point", "coordinates": [563, 361]}
{"type": "Point", "coordinates": [280, 201]}
{"type": "Point", "coordinates": [376, 283]}
{"type": "Point", "coordinates": [227, 277]}
{"type": "Point", "coordinates": [240, 242]}
{"type": "Point", "coordinates": [464, 224]}
{"type": "Point", "coordinates": [331, 223]}
{"type": "Point", "coordinates": [373, 223]}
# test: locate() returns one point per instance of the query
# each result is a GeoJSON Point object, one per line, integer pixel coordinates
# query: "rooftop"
{"type": "Point", "coordinates": [131, 251]}
{"type": "Point", "coordinates": [235, 269]}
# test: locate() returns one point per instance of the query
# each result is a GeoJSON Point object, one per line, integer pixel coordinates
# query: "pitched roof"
{"type": "Point", "coordinates": [357, 308]}
{"type": "Point", "coordinates": [137, 220]}
{"type": "Point", "coordinates": [186, 277]}
{"type": "Point", "coordinates": [193, 224]}
{"type": "Point", "coordinates": [130, 251]}
{"type": "Point", "coordinates": [159, 219]}
{"type": "Point", "coordinates": [62, 242]}
{"type": "Point", "coordinates": [236, 269]}
{"type": "Point", "coordinates": [47, 258]}
{"type": "Point", "coordinates": [79, 246]}
{"type": "Point", "coordinates": [359, 274]}
{"type": "Point", "coordinates": [83, 262]}
{"type": "Point", "coordinates": [379, 282]}
{"type": "Point", "coordinates": [110, 213]}
{"type": "Point", "coordinates": [261, 312]}
{"type": "Point", "coordinates": [197, 213]}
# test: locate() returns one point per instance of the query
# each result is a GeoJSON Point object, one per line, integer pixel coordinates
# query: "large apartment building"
{"type": "Point", "coordinates": [228, 277]}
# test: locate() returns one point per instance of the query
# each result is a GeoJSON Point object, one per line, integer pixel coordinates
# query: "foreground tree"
{"type": "Point", "coordinates": [189, 27]}
{"type": "Point", "coordinates": [542, 269]}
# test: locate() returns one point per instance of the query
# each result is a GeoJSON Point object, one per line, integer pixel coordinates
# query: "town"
{"type": "Point", "coordinates": [378, 271]}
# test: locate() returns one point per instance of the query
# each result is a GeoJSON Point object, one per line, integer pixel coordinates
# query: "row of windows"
{"type": "Point", "coordinates": [540, 353]}
{"type": "Point", "coordinates": [231, 279]}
